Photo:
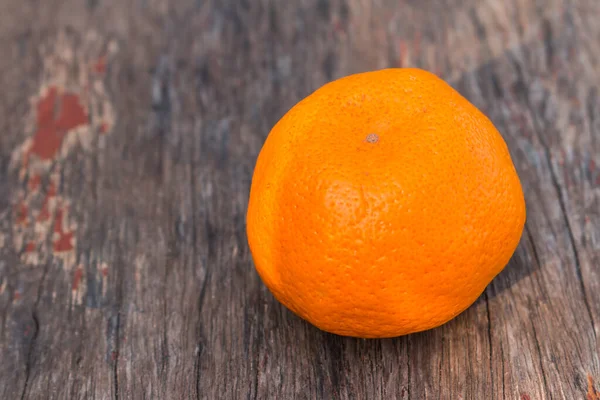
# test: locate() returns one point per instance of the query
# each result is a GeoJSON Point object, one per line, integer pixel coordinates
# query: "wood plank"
{"type": "Point", "coordinates": [156, 296]}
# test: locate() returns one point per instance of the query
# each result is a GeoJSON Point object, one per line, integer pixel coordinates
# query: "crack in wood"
{"type": "Point", "coordinates": [115, 360]}
{"type": "Point", "coordinates": [489, 336]}
{"type": "Point", "coordinates": [503, 373]}
{"type": "Point", "coordinates": [28, 359]}
{"type": "Point", "coordinates": [35, 334]}
{"type": "Point", "coordinates": [200, 343]}
{"type": "Point", "coordinates": [408, 367]}
{"type": "Point", "coordinates": [537, 128]}
{"type": "Point", "coordinates": [539, 351]}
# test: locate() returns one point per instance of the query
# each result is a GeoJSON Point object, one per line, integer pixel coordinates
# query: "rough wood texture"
{"type": "Point", "coordinates": [128, 135]}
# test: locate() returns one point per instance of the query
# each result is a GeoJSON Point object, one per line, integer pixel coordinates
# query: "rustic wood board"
{"type": "Point", "coordinates": [129, 131]}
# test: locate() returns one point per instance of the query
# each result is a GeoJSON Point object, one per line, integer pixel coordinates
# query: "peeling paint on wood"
{"type": "Point", "coordinates": [67, 114]}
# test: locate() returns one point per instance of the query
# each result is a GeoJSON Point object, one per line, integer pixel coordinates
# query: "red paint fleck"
{"type": "Point", "coordinates": [104, 271]}
{"type": "Point", "coordinates": [337, 26]}
{"type": "Point", "coordinates": [99, 66]}
{"type": "Point", "coordinates": [103, 128]}
{"type": "Point", "coordinates": [64, 241]}
{"type": "Point", "coordinates": [30, 247]}
{"type": "Point", "coordinates": [44, 215]}
{"type": "Point", "coordinates": [50, 130]}
{"type": "Point", "coordinates": [58, 220]}
{"type": "Point", "coordinates": [34, 182]}
{"type": "Point", "coordinates": [22, 211]}
{"type": "Point", "coordinates": [17, 295]}
{"type": "Point", "coordinates": [51, 191]}
{"type": "Point", "coordinates": [77, 278]}
{"type": "Point", "coordinates": [72, 113]}
{"type": "Point", "coordinates": [525, 397]}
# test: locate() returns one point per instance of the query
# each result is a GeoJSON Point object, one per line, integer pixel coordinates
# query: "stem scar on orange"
{"type": "Point", "coordinates": [383, 204]}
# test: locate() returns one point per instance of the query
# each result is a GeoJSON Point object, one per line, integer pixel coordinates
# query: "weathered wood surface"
{"type": "Point", "coordinates": [128, 135]}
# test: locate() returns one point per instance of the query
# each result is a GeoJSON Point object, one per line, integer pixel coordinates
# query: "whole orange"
{"type": "Point", "coordinates": [383, 204]}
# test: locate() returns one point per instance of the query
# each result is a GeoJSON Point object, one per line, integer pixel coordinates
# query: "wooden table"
{"type": "Point", "coordinates": [128, 136]}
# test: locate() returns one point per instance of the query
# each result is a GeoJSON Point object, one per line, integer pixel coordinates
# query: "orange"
{"type": "Point", "coordinates": [383, 204]}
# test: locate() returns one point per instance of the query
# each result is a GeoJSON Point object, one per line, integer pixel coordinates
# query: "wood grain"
{"type": "Point", "coordinates": [129, 136]}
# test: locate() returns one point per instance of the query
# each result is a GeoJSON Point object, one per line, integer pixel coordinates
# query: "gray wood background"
{"type": "Point", "coordinates": [128, 135]}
